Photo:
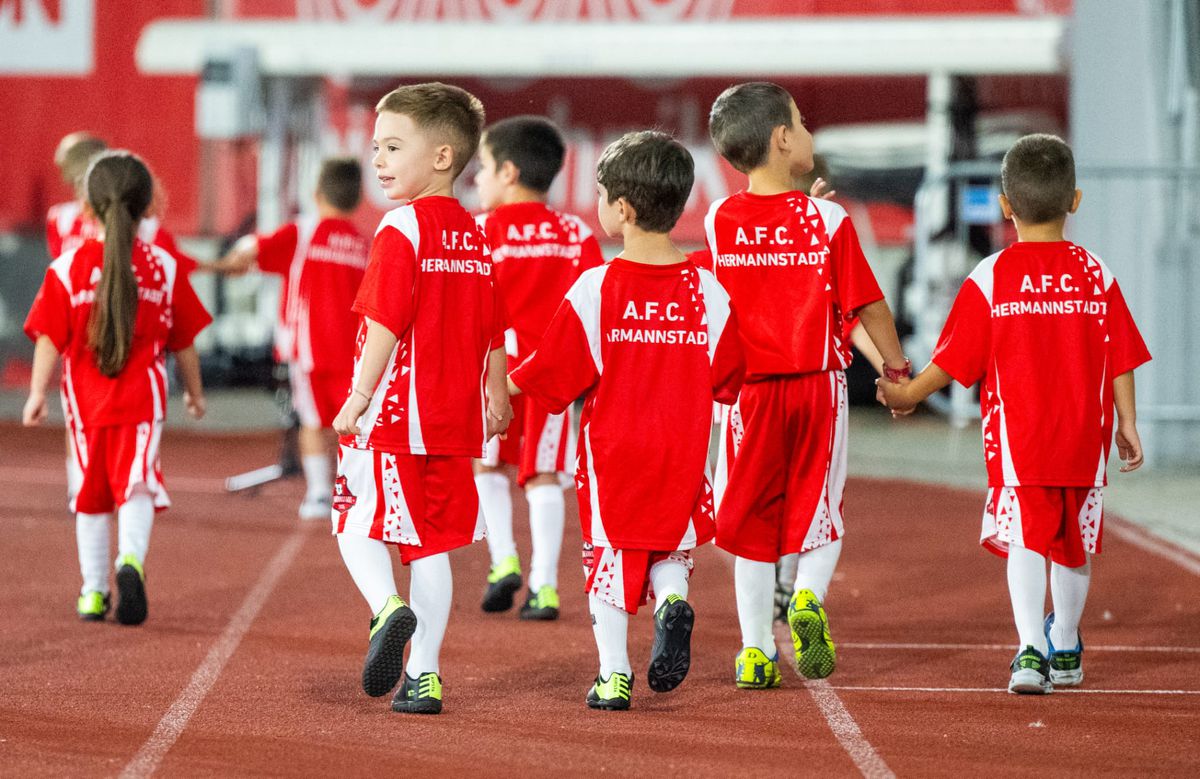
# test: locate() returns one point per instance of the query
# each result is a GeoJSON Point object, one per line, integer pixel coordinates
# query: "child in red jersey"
{"type": "Point", "coordinates": [1044, 326]}
{"type": "Point", "coordinates": [797, 276]}
{"type": "Point", "coordinates": [428, 389]}
{"type": "Point", "coordinates": [112, 309]}
{"type": "Point", "coordinates": [321, 258]}
{"type": "Point", "coordinates": [68, 224]}
{"type": "Point", "coordinates": [650, 341]}
{"type": "Point", "coordinates": [537, 253]}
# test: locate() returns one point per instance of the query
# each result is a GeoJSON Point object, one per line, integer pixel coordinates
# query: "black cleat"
{"type": "Point", "coordinates": [131, 592]}
{"type": "Point", "coordinates": [422, 695]}
{"type": "Point", "coordinates": [611, 694]}
{"type": "Point", "coordinates": [541, 605]}
{"type": "Point", "coordinates": [503, 582]}
{"type": "Point", "coordinates": [672, 653]}
{"type": "Point", "coordinates": [390, 630]}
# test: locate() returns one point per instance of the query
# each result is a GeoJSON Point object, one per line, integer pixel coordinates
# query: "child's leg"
{"type": "Point", "coordinates": [370, 565]}
{"type": "Point", "coordinates": [1027, 589]}
{"type": "Point", "coordinates": [547, 510]}
{"type": "Point", "coordinates": [674, 619]}
{"type": "Point", "coordinates": [495, 502]}
{"type": "Point", "coordinates": [754, 585]}
{"type": "Point", "coordinates": [317, 464]}
{"type": "Point", "coordinates": [610, 625]}
{"type": "Point", "coordinates": [135, 518]}
{"type": "Point", "coordinates": [814, 568]}
{"type": "Point", "coordinates": [1068, 593]}
{"type": "Point", "coordinates": [668, 577]}
{"type": "Point", "coordinates": [429, 595]}
{"type": "Point", "coordinates": [92, 539]}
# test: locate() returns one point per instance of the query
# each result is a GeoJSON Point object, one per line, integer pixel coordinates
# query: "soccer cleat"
{"type": "Point", "coordinates": [92, 606]}
{"type": "Point", "coordinates": [390, 630]}
{"type": "Point", "coordinates": [753, 670]}
{"type": "Point", "coordinates": [422, 695]}
{"type": "Point", "coordinates": [542, 604]}
{"type": "Point", "coordinates": [816, 656]}
{"type": "Point", "coordinates": [316, 508]}
{"type": "Point", "coordinates": [672, 653]}
{"type": "Point", "coordinates": [1066, 665]}
{"type": "Point", "coordinates": [611, 694]}
{"type": "Point", "coordinates": [503, 582]}
{"type": "Point", "coordinates": [131, 591]}
{"type": "Point", "coordinates": [1030, 673]}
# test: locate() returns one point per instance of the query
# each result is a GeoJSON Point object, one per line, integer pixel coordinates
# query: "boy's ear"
{"type": "Point", "coordinates": [626, 211]}
{"type": "Point", "coordinates": [1005, 207]}
{"type": "Point", "coordinates": [509, 173]}
{"type": "Point", "coordinates": [443, 157]}
{"type": "Point", "coordinates": [1075, 203]}
{"type": "Point", "coordinates": [781, 137]}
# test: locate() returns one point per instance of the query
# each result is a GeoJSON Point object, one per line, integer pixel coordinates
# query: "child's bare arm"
{"type": "Point", "coordinates": [240, 258]}
{"type": "Point", "coordinates": [876, 319]}
{"type": "Point", "coordinates": [193, 390]}
{"type": "Point", "coordinates": [45, 354]}
{"type": "Point", "coordinates": [376, 351]}
{"type": "Point", "coordinates": [866, 347]}
{"type": "Point", "coordinates": [1129, 443]}
{"type": "Point", "coordinates": [499, 411]}
{"type": "Point", "coordinates": [903, 398]}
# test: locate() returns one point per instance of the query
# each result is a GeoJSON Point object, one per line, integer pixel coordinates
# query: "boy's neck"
{"type": "Point", "coordinates": [521, 194]}
{"type": "Point", "coordinates": [326, 211]}
{"type": "Point", "coordinates": [770, 179]}
{"type": "Point", "coordinates": [1040, 232]}
{"type": "Point", "coordinates": [648, 248]}
{"type": "Point", "coordinates": [436, 188]}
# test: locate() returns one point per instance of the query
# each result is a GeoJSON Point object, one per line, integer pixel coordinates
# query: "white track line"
{"type": "Point", "coordinates": [1057, 690]}
{"type": "Point", "coordinates": [176, 719]}
{"type": "Point", "coordinates": [1150, 542]}
{"type": "Point", "coordinates": [1186, 650]}
{"type": "Point", "coordinates": [53, 478]}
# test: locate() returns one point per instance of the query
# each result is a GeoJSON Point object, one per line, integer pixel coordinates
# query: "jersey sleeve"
{"type": "Point", "coordinates": [387, 292]}
{"type": "Point", "coordinates": [188, 314]}
{"type": "Point", "coordinates": [562, 368]}
{"type": "Point", "coordinates": [964, 346]}
{"type": "Point", "coordinates": [50, 314]}
{"type": "Point", "coordinates": [276, 250]}
{"type": "Point", "coordinates": [728, 363]}
{"type": "Point", "coordinates": [854, 282]}
{"type": "Point", "coordinates": [701, 258]}
{"type": "Point", "coordinates": [1127, 350]}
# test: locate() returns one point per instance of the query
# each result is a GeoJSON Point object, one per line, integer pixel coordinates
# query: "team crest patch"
{"type": "Point", "coordinates": [343, 499]}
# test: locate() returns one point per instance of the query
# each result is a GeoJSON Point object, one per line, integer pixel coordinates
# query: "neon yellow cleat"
{"type": "Point", "coordinates": [753, 670]}
{"type": "Point", "coordinates": [611, 694]}
{"type": "Point", "coordinates": [422, 695]}
{"type": "Point", "coordinates": [816, 655]}
{"type": "Point", "coordinates": [391, 629]}
{"type": "Point", "coordinates": [92, 606]}
{"type": "Point", "coordinates": [503, 582]}
{"type": "Point", "coordinates": [542, 604]}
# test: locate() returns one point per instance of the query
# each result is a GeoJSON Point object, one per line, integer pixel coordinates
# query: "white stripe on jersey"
{"type": "Point", "coordinates": [292, 337]}
{"type": "Point", "coordinates": [710, 229]}
{"type": "Point", "coordinates": [371, 415]}
{"type": "Point", "coordinates": [584, 297]}
{"type": "Point", "coordinates": [716, 306]}
{"type": "Point", "coordinates": [416, 442]}
{"type": "Point", "coordinates": [1006, 460]}
{"type": "Point", "coordinates": [982, 276]}
{"type": "Point", "coordinates": [599, 538]}
{"type": "Point", "coordinates": [832, 215]}
{"type": "Point", "coordinates": [62, 268]}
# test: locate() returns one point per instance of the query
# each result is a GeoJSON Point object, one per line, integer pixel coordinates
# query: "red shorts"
{"type": "Point", "coordinates": [317, 396]}
{"type": "Point", "coordinates": [116, 461]}
{"type": "Point", "coordinates": [427, 504]}
{"type": "Point", "coordinates": [621, 577]}
{"type": "Point", "coordinates": [781, 466]}
{"type": "Point", "coordinates": [1062, 523]}
{"type": "Point", "coordinates": [537, 442]}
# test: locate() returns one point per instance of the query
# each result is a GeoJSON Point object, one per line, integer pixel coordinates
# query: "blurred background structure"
{"type": "Point", "coordinates": [912, 104]}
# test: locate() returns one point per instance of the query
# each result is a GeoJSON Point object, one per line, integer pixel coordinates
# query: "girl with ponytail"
{"type": "Point", "coordinates": [113, 308]}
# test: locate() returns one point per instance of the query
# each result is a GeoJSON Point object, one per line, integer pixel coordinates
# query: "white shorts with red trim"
{"type": "Point", "coordinates": [317, 397]}
{"type": "Point", "coordinates": [621, 577]}
{"type": "Point", "coordinates": [1065, 524]}
{"type": "Point", "coordinates": [427, 504]}
{"type": "Point", "coordinates": [538, 442]}
{"type": "Point", "coordinates": [116, 462]}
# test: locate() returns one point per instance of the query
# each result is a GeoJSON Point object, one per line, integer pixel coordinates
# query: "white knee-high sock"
{"type": "Point", "coordinates": [495, 501]}
{"type": "Point", "coordinates": [814, 569]}
{"type": "Point", "coordinates": [1027, 589]}
{"type": "Point", "coordinates": [670, 577]}
{"type": "Point", "coordinates": [318, 475]}
{"type": "Point", "coordinates": [92, 539]}
{"type": "Point", "coordinates": [429, 594]}
{"type": "Point", "coordinates": [754, 585]}
{"type": "Point", "coordinates": [370, 565]}
{"type": "Point", "coordinates": [610, 626]}
{"type": "Point", "coordinates": [135, 518]}
{"type": "Point", "coordinates": [1068, 593]}
{"type": "Point", "coordinates": [547, 510]}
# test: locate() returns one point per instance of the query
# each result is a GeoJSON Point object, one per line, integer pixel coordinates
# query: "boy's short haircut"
{"type": "Point", "coordinates": [74, 153]}
{"type": "Point", "coordinates": [1038, 178]}
{"type": "Point", "coordinates": [651, 170]}
{"type": "Point", "coordinates": [340, 182]}
{"type": "Point", "coordinates": [533, 144]}
{"type": "Point", "coordinates": [742, 119]}
{"type": "Point", "coordinates": [449, 111]}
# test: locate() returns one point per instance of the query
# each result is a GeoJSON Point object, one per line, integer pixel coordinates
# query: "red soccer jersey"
{"type": "Point", "coordinates": [796, 274]}
{"type": "Point", "coordinates": [652, 346]}
{"type": "Point", "coordinates": [429, 281]}
{"type": "Point", "coordinates": [169, 316]}
{"type": "Point", "coordinates": [538, 253]}
{"type": "Point", "coordinates": [67, 227]}
{"type": "Point", "coordinates": [322, 263]}
{"type": "Point", "coordinates": [1045, 327]}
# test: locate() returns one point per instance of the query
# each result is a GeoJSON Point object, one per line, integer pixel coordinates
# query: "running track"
{"type": "Point", "coordinates": [250, 659]}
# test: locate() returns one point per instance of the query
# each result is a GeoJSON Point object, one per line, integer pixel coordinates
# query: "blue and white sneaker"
{"type": "Point", "coordinates": [1066, 665]}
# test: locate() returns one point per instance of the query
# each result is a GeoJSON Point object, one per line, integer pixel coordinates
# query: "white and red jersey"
{"type": "Point", "coordinates": [169, 316]}
{"type": "Point", "coordinates": [652, 346]}
{"type": "Point", "coordinates": [796, 273]}
{"type": "Point", "coordinates": [322, 263]}
{"type": "Point", "coordinates": [429, 281]}
{"type": "Point", "coordinates": [67, 227]}
{"type": "Point", "coordinates": [1045, 327]}
{"type": "Point", "coordinates": [538, 253]}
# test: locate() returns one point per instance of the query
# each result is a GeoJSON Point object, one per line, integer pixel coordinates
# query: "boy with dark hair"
{"type": "Point", "coordinates": [428, 389]}
{"type": "Point", "coordinates": [650, 341]}
{"type": "Point", "coordinates": [537, 253]}
{"type": "Point", "coordinates": [1044, 326]}
{"type": "Point", "coordinates": [322, 258]}
{"type": "Point", "coordinates": [797, 276]}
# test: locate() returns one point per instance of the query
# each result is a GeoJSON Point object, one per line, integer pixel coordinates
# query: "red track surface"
{"type": "Point", "coordinates": [86, 699]}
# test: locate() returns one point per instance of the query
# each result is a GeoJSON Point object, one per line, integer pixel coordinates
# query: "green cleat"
{"type": "Point", "coordinates": [422, 695]}
{"type": "Point", "coordinates": [503, 582]}
{"type": "Point", "coordinates": [753, 670]}
{"type": "Point", "coordinates": [1030, 673]}
{"type": "Point", "coordinates": [92, 606]}
{"type": "Point", "coordinates": [390, 630]}
{"type": "Point", "coordinates": [131, 591]}
{"type": "Point", "coordinates": [816, 655]}
{"type": "Point", "coordinates": [542, 605]}
{"type": "Point", "coordinates": [611, 694]}
{"type": "Point", "coordinates": [671, 656]}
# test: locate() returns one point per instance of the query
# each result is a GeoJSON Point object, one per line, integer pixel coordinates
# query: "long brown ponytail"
{"type": "Point", "coordinates": [119, 189]}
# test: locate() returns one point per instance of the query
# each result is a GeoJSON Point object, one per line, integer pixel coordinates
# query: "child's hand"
{"type": "Point", "coordinates": [1129, 447]}
{"type": "Point", "coordinates": [819, 190]}
{"type": "Point", "coordinates": [35, 410]}
{"type": "Point", "coordinates": [499, 415]}
{"type": "Point", "coordinates": [892, 395]}
{"type": "Point", "coordinates": [196, 404]}
{"type": "Point", "coordinates": [346, 421]}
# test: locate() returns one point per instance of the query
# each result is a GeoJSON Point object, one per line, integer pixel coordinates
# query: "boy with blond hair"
{"type": "Point", "coordinates": [650, 341]}
{"type": "Point", "coordinates": [1044, 326]}
{"type": "Point", "coordinates": [428, 389]}
{"type": "Point", "coordinates": [796, 274]}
